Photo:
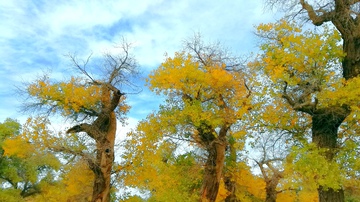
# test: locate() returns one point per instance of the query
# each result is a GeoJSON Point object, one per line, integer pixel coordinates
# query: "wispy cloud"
{"type": "Point", "coordinates": [36, 34]}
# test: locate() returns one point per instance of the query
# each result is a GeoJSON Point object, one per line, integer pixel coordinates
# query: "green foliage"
{"type": "Point", "coordinates": [152, 166]}
{"type": "Point", "coordinates": [311, 168]}
{"type": "Point", "coordinates": [23, 165]}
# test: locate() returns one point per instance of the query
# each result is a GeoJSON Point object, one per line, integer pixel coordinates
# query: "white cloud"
{"type": "Point", "coordinates": [36, 34]}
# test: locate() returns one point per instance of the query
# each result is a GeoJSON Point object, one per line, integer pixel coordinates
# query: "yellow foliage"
{"type": "Point", "coordinates": [308, 168]}
{"type": "Point", "coordinates": [17, 147]}
{"type": "Point", "coordinates": [182, 76]}
{"type": "Point", "coordinates": [287, 197]}
{"type": "Point", "coordinates": [222, 193]}
{"type": "Point", "coordinates": [78, 181]}
{"type": "Point", "coordinates": [248, 184]}
{"type": "Point", "coordinates": [154, 168]}
{"type": "Point", "coordinates": [297, 56]}
{"type": "Point", "coordinates": [310, 196]}
{"type": "Point", "coordinates": [71, 97]}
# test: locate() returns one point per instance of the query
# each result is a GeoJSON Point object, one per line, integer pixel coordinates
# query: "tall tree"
{"type": "Point", "coordinates": [207, 93]}
{"type": "Point", "coordinates": [344, 15]}
{"type": "Point", "coordinates": [306, 69]}
{"type": "Point", "coordinates": [92, 102]}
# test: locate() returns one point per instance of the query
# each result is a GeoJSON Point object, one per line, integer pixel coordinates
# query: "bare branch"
{"type": "Point", "coordinates": [82, 68]}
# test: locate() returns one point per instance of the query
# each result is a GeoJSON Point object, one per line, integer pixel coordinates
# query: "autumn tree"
{"type": "Point", "coordinates": [272, 128]}
{"type": "Point", "coordinates": [155, 164]}
{"type": "Point", "coordinates": [306, 69]}
{"type": "Point", "coordinates": [344, 15]}
{"type": "Point", "coordinates": [206, 92]}
{"type": "Point", "coordinates": [25, 168]}
{"type": "Point", "coordinates": [95, 104]}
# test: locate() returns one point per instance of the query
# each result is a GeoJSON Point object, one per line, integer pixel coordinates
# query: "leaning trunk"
{"type": "Point", "coordinates": [213, 170]}
{"type": "Point", "coordinates": [325, 124]}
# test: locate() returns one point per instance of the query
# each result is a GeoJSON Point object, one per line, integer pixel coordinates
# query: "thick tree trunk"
{"type": "Point", "coordinates": [271, 182]}
{"type": "Point", "coordinates": [104, 162]}
{"type": "Point", "coordinates": [230, 184]}
{"type": "Point", "coordinates": [103, 131]}
{"type": "Point", "coordinates": [271, 193]}
{"type": "Point", "coordinates": [351, 61]}
{"type": "Point", "coordinates": [325, 124]}
{"type": "Point", "coordinates": [325, 131]}
{"type": "Point", "coordinates": [331, 195]}
{"type": "Point", "coordinates": [213, 170]}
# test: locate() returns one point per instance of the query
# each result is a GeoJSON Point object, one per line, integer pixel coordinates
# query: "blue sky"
{"type": "Point", "coordinates": [36, 34]}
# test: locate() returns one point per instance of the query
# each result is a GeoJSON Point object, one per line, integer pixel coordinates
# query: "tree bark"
{"type": "Point", "coordinates": [230, 184]}
{"type": "Point", "coordinates": [325, 124]}
{"type": "Point", "coordinates": [104, 162]}
{"type": "Point", "coordinates": [271, 193]}
{"type": "Point", "coordinates": [351, 61]}
{"type": "Point", "coordinates": [330, 195]}
{"type": "Point", "coordinates": [213, 170]}
{"type": "Point", "coordinates": [214, 165]}
{"type": "Point", "coordinates": [103, 131]}
{"type": "Point", "coordinates": [271, 181]}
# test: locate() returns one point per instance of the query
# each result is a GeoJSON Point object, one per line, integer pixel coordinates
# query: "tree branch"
{"type": "Point", "coordinates": [314, 17]}
{"type": "Point", "coordinates": [89, 129]}
{"type": "Point", "coordinates": [92, 164]}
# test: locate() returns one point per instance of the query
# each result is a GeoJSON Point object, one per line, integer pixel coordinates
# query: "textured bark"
{"type": "Point", "coordinates": [214, 164]}
{"type": "Point", "coordinates": [271, 194]}
{"type": "Point", "coordinates": [271, 180]}
{"type": "Point", "coordinates": [213, 170]}
{"type": "Point", "coordinates": [325, 124]}
{"type": "Point", "coordinates": [104, 162]}
{"type": "Point", "coordinates": [351, 61]}
{"type": "Point", "coordinates": [103, 131]}
{"type": "Point", "coordinates": [231, 187]}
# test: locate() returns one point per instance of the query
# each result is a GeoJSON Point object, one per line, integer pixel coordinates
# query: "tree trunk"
{"type": "Point", "coordinates": [230, 184]}
{"type": "Point", "coordinates": [104, 162]}
{"type": "Point", "coordinates": [330, 195]}
{"type": "Point", "coordinates": [213, 169]}
{"type": "Point", "coordinates": [351, 61]}
{"type": "Point", "coordinates": [271, 193]}
{"type": "Point", "coordinates": [325, 124]}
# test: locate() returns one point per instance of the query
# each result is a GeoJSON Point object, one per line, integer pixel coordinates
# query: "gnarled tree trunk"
{"type": "Point", "coordinates": [103, 131]}
{"type": "Point", "coordinates": [104, 162]}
